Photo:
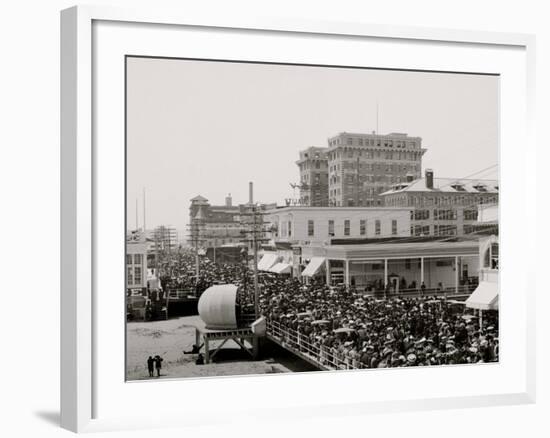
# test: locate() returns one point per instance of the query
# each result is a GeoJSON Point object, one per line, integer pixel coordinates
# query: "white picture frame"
{"type": "Point", "coordinates": [80, 339]}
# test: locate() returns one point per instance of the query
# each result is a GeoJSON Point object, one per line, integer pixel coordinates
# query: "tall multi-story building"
{"type": "Point", "coordinates": [355, 168]}
{"type": "Point", "coordinates": [313, 165]}
{"type": "Point", "coordinates": [443, 206]}
{"type": "Point", "coordinates": [362, 166]}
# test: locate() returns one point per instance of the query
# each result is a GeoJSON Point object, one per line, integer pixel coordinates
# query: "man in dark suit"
{"type": "Point", "coordinates": [158, 364]}
{"type": "Point", "coordinates": [150, 365]}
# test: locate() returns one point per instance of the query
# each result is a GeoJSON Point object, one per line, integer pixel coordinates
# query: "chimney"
{"type": "Point", "coordinates": [410, 177]}
{"type": "Point", "coordinates": [250, 193]}
{"type": "Point", "coordinates": [228, 200]}
{"type": "Point", "coordinates": [429, 179]}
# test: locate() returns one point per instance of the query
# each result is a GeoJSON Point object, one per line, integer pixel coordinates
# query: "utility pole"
{"type": "Point", "coordinates": [256, 231]}
{"type": "Point", "coordinates": [255, 244]}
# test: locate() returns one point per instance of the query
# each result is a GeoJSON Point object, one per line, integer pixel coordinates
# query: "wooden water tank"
{"type": "Point", "coordinates": [217, 307]}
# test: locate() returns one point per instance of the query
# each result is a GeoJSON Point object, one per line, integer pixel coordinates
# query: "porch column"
{"type": "Point", "coordinates": [327, 271]}
{"type": "Point", "coordinates": [385, 272]}
{"type": "Point", "coordinates": [346, 272]}
{"type": "Point", "coordinates": [456, 274]}
{"type": "Point", "coordinates": [421, 270]}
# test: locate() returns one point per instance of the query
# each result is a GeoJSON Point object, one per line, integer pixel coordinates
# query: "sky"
{"type": "Point", "coordinates": [208, 128]}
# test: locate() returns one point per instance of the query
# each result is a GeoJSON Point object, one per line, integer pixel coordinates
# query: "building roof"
{"type": "Point", "coordinates": [375, 251]}
{"type": "Point", "coordinates": [283, 209]}
{"type": "Point", "coordinates": [199, 198]}
{"type": "Point", "coordinates": [446, 185]}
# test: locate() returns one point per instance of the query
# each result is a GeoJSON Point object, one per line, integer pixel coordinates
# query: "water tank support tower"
{"type": "Point", "coordinates": [222, 319]}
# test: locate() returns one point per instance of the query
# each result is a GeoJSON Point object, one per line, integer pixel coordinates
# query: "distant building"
{"type": "Point", "coordinates": [306, 225]}
{"type": "Point", "coordinates": [218, 224]}
{"type": "Point", "coordinates": [164, 239]}
{"type": "Point", "coordinates": [136, 262]}
{"type": "Point", "coordinates": [443, 206]}
{"type": "Point", "coordinates": [313, 165]}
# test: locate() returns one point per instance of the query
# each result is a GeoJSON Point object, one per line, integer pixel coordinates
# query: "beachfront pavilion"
{"type": "Point", "coordinates": [451, 265]}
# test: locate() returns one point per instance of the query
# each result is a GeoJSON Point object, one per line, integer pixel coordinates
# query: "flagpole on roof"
{"type": "Point", "coordinates": [144, 213]}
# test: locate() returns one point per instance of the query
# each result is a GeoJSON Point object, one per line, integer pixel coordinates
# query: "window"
{"type": "Point", "coordinates": [289, 228]}
{"type": "Point", "coordinates": [362, 227]}
{"type": "Point", "coordinates": [346, 227]}
{"type": "Point", "coordinates": [130, 279]}
{"type": "Point", "coordinates": [377, 227]}
{"type": "Point", "coordinates": [407, 263]}
{"type": "Point", "coordinates": [421, 230]}
{"type": "Point", "coordinates": [420, 215]}
{"type": "Point", "coordinates": [331, 228]}
{"type": "Point", "coordinates": [137, 259]}
{"type": "Point", "coordinates": [394, 227]}
{"type": "Point", "coordinates": [494, 255]}
{"type": "Point", "coordinates": [310, 228]}
{"type": "Point", "coordinates": [444, 215]}
{"type": "Point", "coordinates": [137, 275]}
{"type": "Point", "coordinates": [350, 141]}
{"type": "Point", "coordinates": [470, 215]}
{"type": "Point", "coordinates": [445, 230]}
{"type": "Point", "coordinates": [128, 259]}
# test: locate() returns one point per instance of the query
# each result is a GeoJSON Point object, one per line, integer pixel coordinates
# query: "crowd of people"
{"type": "Point", "coordinates": [342, 328]}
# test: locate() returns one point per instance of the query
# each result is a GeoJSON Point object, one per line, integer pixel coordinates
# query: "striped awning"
{"type": "Point", "coordinates": [313, 267]}
{"type": "Point", "coordinates": [267, 261]}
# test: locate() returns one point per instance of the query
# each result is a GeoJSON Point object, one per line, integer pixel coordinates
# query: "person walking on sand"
{"type": "Point", "coordinates": [158, 364]}
{"type": "Point", "coordinates": [150, 366]}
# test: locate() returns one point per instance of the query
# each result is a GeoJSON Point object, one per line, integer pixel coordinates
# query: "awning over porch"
{"type": "Point", "coordinates": [267, 261]}
{"type": "Point", "coordinates": [313, 267]}
{"type": "Point", "coordinates": [281, 268]}
{"type": "Point", "coordinates": [485, 297]}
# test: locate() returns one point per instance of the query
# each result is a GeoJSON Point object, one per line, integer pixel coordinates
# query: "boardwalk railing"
{"type": "Point", "coordinates": [322, 357]}
{"type": "Point", "coordinates": [448, 292]}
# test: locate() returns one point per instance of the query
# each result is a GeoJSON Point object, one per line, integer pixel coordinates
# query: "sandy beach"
{"type": "Point", "coordinates": [171, 338]}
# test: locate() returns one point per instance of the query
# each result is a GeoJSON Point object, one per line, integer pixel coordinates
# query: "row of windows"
{"type": "Point", "coordinates": [424, 201]}
{"type": "Point", "coordinates": [374, 167]}
{"type": "Point", "coordinates": [355, 155]}
{"type": "Point", "coordinates": [347, 227]}
{"type": "Point", "coordinates": [445, 215]}
{"type": "Point", "coordinates": [442, 230]}
{"type": "Point", "coordinates": [445, 230]}
{"type": "Point", "coordinates": [419, 215]}
{"type": "Point", "coordinates": [317, 164]}
{"type": "Point", "coordinates": [359, 141]}
{"type": "Point", "coordinates": [362, 202]}
{"type": "Point", "coordinates": [137, 259]}
{"type": "Point", "coordinates": [388, 180]}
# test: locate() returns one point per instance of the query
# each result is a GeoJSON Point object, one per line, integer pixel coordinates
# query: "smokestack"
{"type": "Point", "coordinates": [250, 193]}
{"type": "Point", "coordinates": [228, 200]}
{"type": "Point", "coordinates": [429, 179]}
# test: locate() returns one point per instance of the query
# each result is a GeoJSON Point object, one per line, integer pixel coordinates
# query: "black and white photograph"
{"type": "Point", "coordinates": [286, 218]}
